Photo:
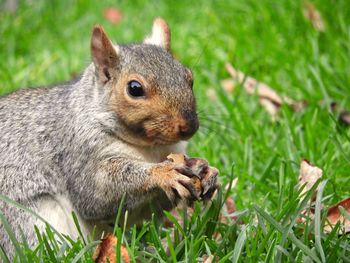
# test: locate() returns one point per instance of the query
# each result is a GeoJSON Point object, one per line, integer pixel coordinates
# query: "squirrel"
{"type": "Point", "coordinates": [83, 145]}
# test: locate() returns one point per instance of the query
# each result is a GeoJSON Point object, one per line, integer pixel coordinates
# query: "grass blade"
{"type": "Point", "coordinates": [239, 245]}
{"type": "Point", "coordinates": [290, 235]}
{"type": "Point", "coordinates": [12, 237]}
{"type": "Point", "coordinates": [77, 225]}
{"type": "Point", "coordinates": [86, 249]}
{"type": "Point", "coordinates": [117, 219]}
{"type": "Point", "coordinates": [318, 221]}
{"type": "Point", "coordinates": [3, 255]}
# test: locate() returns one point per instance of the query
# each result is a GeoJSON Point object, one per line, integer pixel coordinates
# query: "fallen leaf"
{"type": "Point", "coordinates": [309, 174]}
{"type": "Point", "coordinates": [252, 86]}
{"type": "Point", "coordinates": [228, 85]}
{"type": "Point", "coordinates": [268, 97]}
{"type": "Point", "coordinates": [113, 15]}
{"type": "Point", "coordinates": [334, 216]}
{"type": "Point", "coordinates": [314, 16]}
{"type": "Point", "coordinates": [270, 107]}
{"type": "Point", "coordinates": [105, 252]}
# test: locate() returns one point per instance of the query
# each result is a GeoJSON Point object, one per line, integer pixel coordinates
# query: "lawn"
{"type": "Point", "coordinates": [47, 42]}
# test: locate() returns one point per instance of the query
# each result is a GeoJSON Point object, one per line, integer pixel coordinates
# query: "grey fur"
{"type": "Point", "coordinates": [57, 141]}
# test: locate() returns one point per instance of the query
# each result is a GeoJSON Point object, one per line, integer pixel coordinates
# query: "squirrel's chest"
{"type": "Point", "coordinates": [159, 153]}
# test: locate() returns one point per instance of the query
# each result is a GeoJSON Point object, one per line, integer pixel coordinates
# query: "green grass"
{"type": "Point", "coordinates": [48, 42]}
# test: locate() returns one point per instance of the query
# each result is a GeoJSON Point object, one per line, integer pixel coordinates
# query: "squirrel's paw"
{"type": "Point", "coordinates": [197, 168]}
{"type": "Point", "coordinates": [178, 187]}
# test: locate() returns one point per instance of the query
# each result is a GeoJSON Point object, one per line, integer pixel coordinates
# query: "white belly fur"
{"type": "Point", "coordinates": [58, 213]}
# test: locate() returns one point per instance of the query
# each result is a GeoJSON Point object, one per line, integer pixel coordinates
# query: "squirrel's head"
{"type": "Point", "coordinates": [150, 92]}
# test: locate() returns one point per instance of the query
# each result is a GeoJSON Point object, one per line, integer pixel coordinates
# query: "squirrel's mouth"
{"type": "Point", "coordinates": [164, 141]}
{"type": "Point", "coordinates": [138, 136]}
{"type": "Point", "coordinates": [146, 142]}
{"type": "Point", "coordinates": [170, 130]}
{"type": "Point", "coordinates": [165, 131]}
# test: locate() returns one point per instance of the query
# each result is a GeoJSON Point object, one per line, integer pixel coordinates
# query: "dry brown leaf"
{"type": "Point", "coordinates": [270, 107]}
{"type": "Point", "coordinates": [252, 86]}
{"type": "Point", "coordinates": [314, 16]}
{"type": "Point", "coordinates": [268, 98]}
{"type": "Point", "coordinates": [309, 174]}
{"type": "Point", "coordinates": [113, 15]}
{"type": "Point", "coordinates": [228, 85]}
{"type": "Point", "coordinates": [334, 216]}
{"type": "Point", "coordinates": [266, 92]}
{"type": "Point", "coordinates": [211, 94]}
{"type": "Point", "coordinates": [105, 252]}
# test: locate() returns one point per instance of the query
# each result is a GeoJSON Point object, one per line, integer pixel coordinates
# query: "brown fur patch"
{"type": "Point", "coordinates": [160, 175]}
{"type": "Point", "coordinates": [147, 120]}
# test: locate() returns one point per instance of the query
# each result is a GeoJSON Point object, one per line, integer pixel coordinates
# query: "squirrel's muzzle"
{"type": "Point", "coordinates": [189, 126]}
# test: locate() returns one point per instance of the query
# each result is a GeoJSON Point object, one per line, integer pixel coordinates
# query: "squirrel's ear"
{"type": "Point", "coordinates": [103, 53]}
{"type": "Point", "coordinates": [160, 35]}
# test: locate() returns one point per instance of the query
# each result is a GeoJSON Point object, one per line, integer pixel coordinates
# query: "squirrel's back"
{"type": "Point", "coordinates": [28, 128]}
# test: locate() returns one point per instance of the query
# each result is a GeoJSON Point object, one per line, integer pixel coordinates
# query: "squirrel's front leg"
{"type": "Point", "coordinates": [99, 189]}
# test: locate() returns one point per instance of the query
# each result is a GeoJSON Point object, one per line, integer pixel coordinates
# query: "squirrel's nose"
{"type": "Point", "coordinates": [188, 128]}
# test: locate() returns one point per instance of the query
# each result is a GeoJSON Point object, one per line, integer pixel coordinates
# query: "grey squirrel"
{"type": "Point", "coordinates": [82, 145]}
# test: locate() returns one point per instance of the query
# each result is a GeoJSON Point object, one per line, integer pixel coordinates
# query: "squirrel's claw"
{"type": "Point", "coordinates": [203, 176]}
{"type": "Point", "coordinates": [209, 179]}
{"type": "Point", "coordinates": [185, 170]}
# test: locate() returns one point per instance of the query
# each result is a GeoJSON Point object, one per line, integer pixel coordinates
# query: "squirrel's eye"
{"type": "Point", "coordinates": [135, 89]}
